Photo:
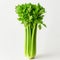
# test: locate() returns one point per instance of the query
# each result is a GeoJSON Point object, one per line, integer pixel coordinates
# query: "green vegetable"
{"type": "Point", "coordinates": [31, 15]}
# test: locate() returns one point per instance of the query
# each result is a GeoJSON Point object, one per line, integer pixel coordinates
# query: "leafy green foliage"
{"type": "Point", "coordinates": [30, 14]}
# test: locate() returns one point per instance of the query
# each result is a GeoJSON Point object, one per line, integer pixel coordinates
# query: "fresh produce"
{"type": "Point", "coordinates": [31, 15]}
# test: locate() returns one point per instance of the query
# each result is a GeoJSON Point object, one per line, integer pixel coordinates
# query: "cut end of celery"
{"type": "Point", "coordinates": [31, 57]}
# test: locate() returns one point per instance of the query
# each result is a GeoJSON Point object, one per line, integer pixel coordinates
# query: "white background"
{"type": "Point", "coordinates": [12, 32]}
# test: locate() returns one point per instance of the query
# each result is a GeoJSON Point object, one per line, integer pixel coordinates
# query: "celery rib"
{"type": "Point", "coordinates": [30, 42]}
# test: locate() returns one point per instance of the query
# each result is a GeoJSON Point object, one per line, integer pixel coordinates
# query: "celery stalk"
{"type": "Point", "coordinates": [31, 15]}
{"type": "Point", "coordinates": [33, 42]}
{"type": "Point", "coordinates": [30, 41]}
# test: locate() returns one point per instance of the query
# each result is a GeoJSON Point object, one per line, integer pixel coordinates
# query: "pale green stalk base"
{"type": "Point", "coordinates": [30, 41]}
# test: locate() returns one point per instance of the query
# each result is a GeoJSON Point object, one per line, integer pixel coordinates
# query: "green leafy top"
{"type": "Point", "coordinates": [30, 14]}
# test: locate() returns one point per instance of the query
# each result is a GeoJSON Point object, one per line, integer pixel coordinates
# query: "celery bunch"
{"type": "Point", "coordinates": [31, 15]}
